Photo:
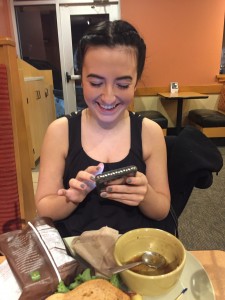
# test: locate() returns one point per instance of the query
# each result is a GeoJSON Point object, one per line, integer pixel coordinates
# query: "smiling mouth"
{"type": "Point", "coordinates": [108, 107]}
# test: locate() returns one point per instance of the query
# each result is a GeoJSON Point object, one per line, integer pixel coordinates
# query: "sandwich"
{"type": "Point", "coordinates": [95, 289]}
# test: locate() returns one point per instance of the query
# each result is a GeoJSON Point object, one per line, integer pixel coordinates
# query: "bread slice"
{"type": "Point", "coordinates": [95, 289]}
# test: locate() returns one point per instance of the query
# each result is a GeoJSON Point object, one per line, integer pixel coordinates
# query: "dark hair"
{"type": "Point", "coordinates": [111, 34]}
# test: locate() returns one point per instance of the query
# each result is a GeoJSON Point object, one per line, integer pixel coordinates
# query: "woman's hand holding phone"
{"type": "Point", "coordinates": [125, 185]}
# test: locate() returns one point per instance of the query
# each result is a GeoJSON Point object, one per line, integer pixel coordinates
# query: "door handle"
{"type": "Point", "coordinates": [72, 77]}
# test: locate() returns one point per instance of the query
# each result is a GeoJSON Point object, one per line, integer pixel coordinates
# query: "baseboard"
{"type": "Point", "coordinates": [219, 142]}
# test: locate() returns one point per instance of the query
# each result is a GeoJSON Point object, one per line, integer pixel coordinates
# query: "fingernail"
{"type": "Point", "coordinates": [128, 180]}
{"type": "Point", "coordinates": [109, 189]}
{"type": "Point", "coordinates": [82, 185]}
{"type": "Point", "coordinates": [103, 195]}
{"type": "Point", "coordinates": [92, 178]}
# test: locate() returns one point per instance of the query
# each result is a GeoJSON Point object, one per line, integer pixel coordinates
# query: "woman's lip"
{"type": "Point", "coordinates": [108, 107]}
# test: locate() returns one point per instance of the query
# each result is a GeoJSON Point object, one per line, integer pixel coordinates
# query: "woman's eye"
{"type": "Point", "coordinates": [94, 84]}
{"type": "Point", "coordinates": [123, 86]}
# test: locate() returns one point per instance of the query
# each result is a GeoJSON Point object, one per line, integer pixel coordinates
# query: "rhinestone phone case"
{"type": "Point", "coordinates": [114, 174]}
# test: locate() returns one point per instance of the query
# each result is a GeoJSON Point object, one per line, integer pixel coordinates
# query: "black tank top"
{"type": "Point", "coordinates": [95, 212]}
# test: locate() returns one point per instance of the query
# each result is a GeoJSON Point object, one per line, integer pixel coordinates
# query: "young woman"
{"type": "Point", "coordinates": [102, 137]}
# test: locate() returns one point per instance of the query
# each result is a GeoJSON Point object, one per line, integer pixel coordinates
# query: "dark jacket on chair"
{"type": "Point", "coordinates": [192, 159]}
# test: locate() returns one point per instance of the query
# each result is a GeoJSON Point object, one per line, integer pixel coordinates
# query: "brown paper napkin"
{"type": "Point", "coordinates": [96, 247]}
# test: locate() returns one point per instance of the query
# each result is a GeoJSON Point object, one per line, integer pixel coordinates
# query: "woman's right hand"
{"type": "Point", "coordinates": [82, 184]}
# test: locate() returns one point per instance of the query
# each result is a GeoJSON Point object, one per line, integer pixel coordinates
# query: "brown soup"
{"type": "Point", "coordinates": [146, 270]}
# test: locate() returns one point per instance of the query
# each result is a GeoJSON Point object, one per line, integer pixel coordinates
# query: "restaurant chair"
{"type": "Point", "coordinates": [210, 122]}
{"type": "Point", "coordinates": [157, 117]}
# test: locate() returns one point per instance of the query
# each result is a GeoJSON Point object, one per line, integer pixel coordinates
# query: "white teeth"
{"type": "Point", "coordinates": [107, 106]}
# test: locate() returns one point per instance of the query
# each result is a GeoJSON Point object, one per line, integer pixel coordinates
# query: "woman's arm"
{"type": "Point", "coordinates": [51, 199]}
{"type": "Point", "coordinates": [52, 162]}
{"type": "Point", "coordinates": [156, 203]}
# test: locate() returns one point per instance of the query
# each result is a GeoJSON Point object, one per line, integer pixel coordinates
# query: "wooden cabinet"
{"type": "Point", "coordinates": [39, 106]}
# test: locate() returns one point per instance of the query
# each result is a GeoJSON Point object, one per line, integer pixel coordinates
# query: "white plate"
{"type": "Point", "coordinates": [194, 278]}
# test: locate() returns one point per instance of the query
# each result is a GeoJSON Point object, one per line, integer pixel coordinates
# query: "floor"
{"type": "Point", "coordinates": [35, 174]}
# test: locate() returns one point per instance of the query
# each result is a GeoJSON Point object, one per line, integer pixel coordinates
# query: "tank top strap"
{"type": "Point", "coordinates": [74, 123]}
{"type": "Point", "coordinates": [136, 129]}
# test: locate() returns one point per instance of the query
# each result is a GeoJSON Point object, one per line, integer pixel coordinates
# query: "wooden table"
{"type": "Point", "coordinates": [213, 262]}
{"type": "Point", "coordinates": [180, 97]}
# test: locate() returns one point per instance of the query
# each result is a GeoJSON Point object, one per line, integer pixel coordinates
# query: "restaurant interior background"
{"type": "Point", "coordinates": [185, 44]}
{"type": "Point", "coordinates": [184, 40]}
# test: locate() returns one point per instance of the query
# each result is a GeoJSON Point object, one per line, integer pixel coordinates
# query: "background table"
{"type": "Point", "coordinates": [180, 97]}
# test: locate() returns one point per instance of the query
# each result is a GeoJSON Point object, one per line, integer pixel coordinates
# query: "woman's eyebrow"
{"type": "Point", "coordinates": [125, 77]}
{"type": "Point", "coordinates": [95, 76]}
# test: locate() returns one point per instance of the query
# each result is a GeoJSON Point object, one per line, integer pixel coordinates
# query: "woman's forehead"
{"type": "Point", "coordinates": [109, 62]}
{"type": "Point", "coordinates": [117, 48]}
{"type": "Point", "coordinates": [120, 53]}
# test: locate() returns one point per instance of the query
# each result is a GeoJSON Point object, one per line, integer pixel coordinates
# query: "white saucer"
{"type": "Point", "coordinates": [195, 279]}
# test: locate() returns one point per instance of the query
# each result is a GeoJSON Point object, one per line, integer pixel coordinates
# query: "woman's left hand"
{"type": "Point", "coordinates": [129, 190]}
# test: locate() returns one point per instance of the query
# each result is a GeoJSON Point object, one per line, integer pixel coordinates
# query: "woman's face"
{"type": "Point", "coordinates": [109, 77]}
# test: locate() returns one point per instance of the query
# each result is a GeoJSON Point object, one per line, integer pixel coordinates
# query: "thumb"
{"type": "Point", "coordinates": [99, 168]}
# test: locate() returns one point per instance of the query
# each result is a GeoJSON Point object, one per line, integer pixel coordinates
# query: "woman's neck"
{"type": "Point", "coordinates": [92, 121]}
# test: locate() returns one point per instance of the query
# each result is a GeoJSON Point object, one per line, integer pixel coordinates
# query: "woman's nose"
{"type": "Point", "coordinates": [108, 94]}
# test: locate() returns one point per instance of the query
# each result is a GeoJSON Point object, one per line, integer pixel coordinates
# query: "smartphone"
{"type": "Point", "coordinates": [101, 179]}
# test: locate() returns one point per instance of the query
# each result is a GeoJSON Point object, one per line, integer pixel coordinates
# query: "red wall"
{"type": "Point", "coordinates": [5, 19]}
{"type": "Point", "coordinates": [184, 39]}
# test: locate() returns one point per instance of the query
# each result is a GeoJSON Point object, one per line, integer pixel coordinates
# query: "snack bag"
{"type": "Point", "coordinates": [38, 259]}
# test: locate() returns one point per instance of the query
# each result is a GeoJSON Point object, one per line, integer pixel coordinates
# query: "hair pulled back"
{"type": "Point", "coordinates": [111, 34]}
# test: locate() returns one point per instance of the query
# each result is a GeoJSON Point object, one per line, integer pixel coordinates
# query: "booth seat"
{"type": "Point", "coordinates": [210, 122]}
{"type": "Point", "coordinates": [157, 117]}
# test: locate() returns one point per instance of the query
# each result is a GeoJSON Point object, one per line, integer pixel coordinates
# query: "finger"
{"type": "Point", "coordinates": [118, 181]}
{"type": "Point", "coordinates": [95, 170]}
{"type": "Point", "coordinates": [137, 180]}
{"type": "Point", "coordinates": [72, 195]}
{"type": "Point", "coordinates": [84, 176]}
{"type": "Point", "coordinates": [127, 189]}
{"type": "Point", "coordinates": [76, 184]}
{"type": "Point", "coordinates": [61, 192]}
{"type": "Point", "coordinates": [100, 168]}
{"type": "Point", "coordinates": [132, 200]}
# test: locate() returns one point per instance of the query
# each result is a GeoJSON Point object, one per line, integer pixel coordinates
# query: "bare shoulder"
{"type": "Point", "coordinates": [57, 135]}
{"type": "Point", "coordinates": [152, 137]}
{"type": "Point", "coordinates": [59, 126]}
{"type": "Point", "coordinates": [151, 129]}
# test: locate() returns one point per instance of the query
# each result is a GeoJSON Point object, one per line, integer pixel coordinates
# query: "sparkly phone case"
{"type": "Point", "coordinates": [114, 174]}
